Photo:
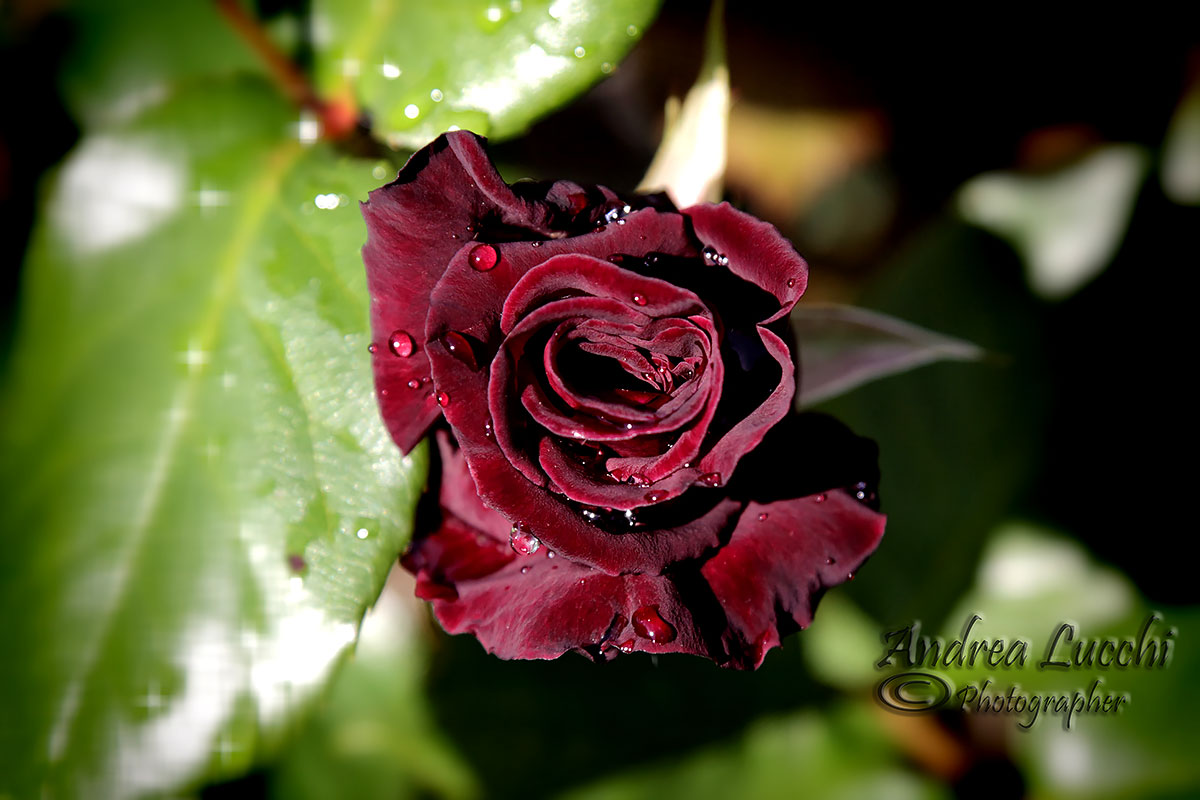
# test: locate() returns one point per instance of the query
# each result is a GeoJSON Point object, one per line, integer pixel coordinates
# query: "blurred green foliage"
{"type": "Point", "coordinates": [200, 502]}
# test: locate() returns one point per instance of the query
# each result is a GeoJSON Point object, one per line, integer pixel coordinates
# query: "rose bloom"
{"type": "Point", "coordinates": [620, 469]}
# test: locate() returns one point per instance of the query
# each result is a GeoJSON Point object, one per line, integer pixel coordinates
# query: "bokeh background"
{"type": "Point", "coordinates": [1020, 179]}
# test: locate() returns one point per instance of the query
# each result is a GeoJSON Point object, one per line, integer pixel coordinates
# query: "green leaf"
{"type": "Point", "coordinates": [1180, 168]}
{"type": "Point", "coordinates": [842, 347]}
{"type": "Point", "coordinates": [373, 736]}
{"type": "Point", "coordinates": [127, 55]}
{"type": "Point", "coordinates": [490, 66]}
{"type": "Point", "coordinates": [841, 753]}
{"type": "Point", "coordinates": [1030, 582]}
{"type": "Point", "coordinates": [199, 498]}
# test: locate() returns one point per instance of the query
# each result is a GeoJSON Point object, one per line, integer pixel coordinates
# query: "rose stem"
{"type": "Point", "coordinates": [338, 118]}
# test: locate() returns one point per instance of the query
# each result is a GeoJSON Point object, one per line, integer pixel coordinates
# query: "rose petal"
{"type": "Point", "coordinates": [733, 608]}
{"type": "Point", "coordinates": [769, 574]}
{"type": "Point", "coordinates": [757, 252]}
{"type": "Point", "coordinates": [414, 226]}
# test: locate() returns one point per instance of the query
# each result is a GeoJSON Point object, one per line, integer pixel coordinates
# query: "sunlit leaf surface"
{"type": "Point", "coordinates": [490, 66]}
{"type": "Point", "coordinates": [199, 498]}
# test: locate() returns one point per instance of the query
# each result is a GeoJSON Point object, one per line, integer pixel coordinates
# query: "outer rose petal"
{"type": "Point", "coordinates": [415, 225]}
{"type": "Point", "coordinates": [538, 606]}
{"type": "Point", "coordinates": [780, 563]}
{"type": "Point", "coordinates": [757, 252]}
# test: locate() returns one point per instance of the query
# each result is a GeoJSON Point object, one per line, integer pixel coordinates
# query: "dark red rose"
{"type": "Point", "coordinates": [623, 470]}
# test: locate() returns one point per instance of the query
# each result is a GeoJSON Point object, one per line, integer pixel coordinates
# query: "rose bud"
{"type": "Point", "coordinates": [622, 468]}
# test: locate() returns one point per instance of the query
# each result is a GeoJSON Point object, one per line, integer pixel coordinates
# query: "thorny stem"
{"type": "Point", "coordinates": [338, 118]}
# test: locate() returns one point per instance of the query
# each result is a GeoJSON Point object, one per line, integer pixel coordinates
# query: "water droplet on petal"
{"type": "Point", "coordinates": [549, 554]}
{"type": "Point", "coordinates": [831, 560]}
{"type": "Point", "coordinates": [850, 576]}
{"type": "Point", "coordinates": [460, 348]}
{"type": "Point", "coordinates": [401, 344]}
{"type": "Point", "coordinates": [372, 349]}
{"type": "Point", "coordinates": [711, 479]}
{"type": "Point", "coordinates": [820, 498]}
{"type": "Point", "coordinates": [791, 282]}
{"type": "Point", "coordinates": [580, 52]}
{"type": "Point", "coordinates": [443, 399]}
{"type": "Point", "coordinates": [710, 254]}
{"type": "Point", "coordinates": [626, 646]}
{"type": "Point", "coordinates": [524, 570]}
{"type": "Point", "coordinates": [762, 517]}
{"type": "Point", "coordinates": [483, 257]}
{"type": "Point", "coordinates": [522, 541]}
{"type": "Point", "coordinates": [654, 497]}
{"type": "Point", "coordinates": [414, 384]}
{"type": "Point", "coordinates": [639, 299]}
{"type": "Point", "coordinates": [649, 624]}
{"type": "Point", "coordinates": [577, 202]}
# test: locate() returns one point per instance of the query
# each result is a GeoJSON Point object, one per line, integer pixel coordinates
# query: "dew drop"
{"type": "Point", "coordinates": [654, 497]}
{"type": "Point", "coordinates": [626, 646]}
{"type": "Point", "coordinates": [722, 260]}
{"type": "Point", "coordinates": [460, 348]}
{"type": "Point", "coordinates": [711, 479]}
{"type": "Point", "coordinates": [849, 576]}
{"type": "Point", "coordinates": [710, 254]}
{"type": "Point", "coordinates": [483, 257]}
{"type": "Point", "coordinates": [577, 202]}
{"type": "Point", "coordinates": [524, 570]}
{"type": "Point", "coordinates": [535, 244]}
{"type": "Point", "coordinates": [549, 554]}
{"type": "Point", "coordinates": [649, 624]}
{"type": "Point", "coordinates": [819, 498]}
{"type": "Point", "coordinates": [522, 541]}
{"type": "Point", "coordinates": [372, 349]}
{"type": "Point", "coordinates": [830, 560]}
{"type": "Point", "coordinates": [443, 399]}
{"type": "Point", "coordinates": [791, 282]}
{"type": "Point", "coordinates": [762, 517]}
{"type": "Point", "coordinates": [639, 299]}
{"type": "Point", "coordinates": [580, 52]}
{"type": "Point", "coordinates": [487, 429]}
{"type": "Point", "coordinates": [637, 479]}
{"type": "Point", "coordinates": [401, 344]}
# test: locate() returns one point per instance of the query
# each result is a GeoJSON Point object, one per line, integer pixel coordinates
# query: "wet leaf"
{"type": "Point", "coordinates": [490, 66]}
{"type": "Point", "coordinates": [202, 498]}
